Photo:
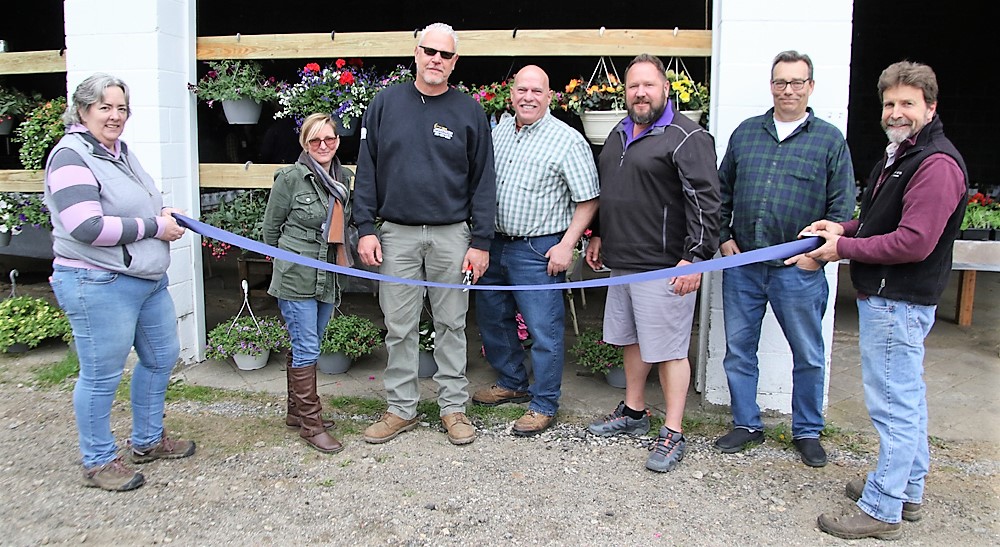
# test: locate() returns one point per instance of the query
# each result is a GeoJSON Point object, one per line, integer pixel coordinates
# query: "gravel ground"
{"type": "Point", "coordinates": [253, 482]}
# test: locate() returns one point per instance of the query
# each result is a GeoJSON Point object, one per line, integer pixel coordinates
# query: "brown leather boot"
{"type": "Point", "coordinates": [302, 382]}
{"type": "Point", "coordinates": [292, 415]}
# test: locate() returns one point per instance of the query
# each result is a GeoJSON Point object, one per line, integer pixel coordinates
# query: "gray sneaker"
{"type": "Point", "coordinates": [618, 423]}
{"type": "Point", "coordinates": [667, 451]}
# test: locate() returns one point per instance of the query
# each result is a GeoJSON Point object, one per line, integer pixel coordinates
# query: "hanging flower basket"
{"type": "Point", "coordinates": [242, 111]}
{"type": "Point", "coordinates": [597, 125]}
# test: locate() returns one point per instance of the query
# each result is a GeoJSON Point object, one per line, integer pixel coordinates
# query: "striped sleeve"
{"type": "Point", "coordinates": [77, 200]}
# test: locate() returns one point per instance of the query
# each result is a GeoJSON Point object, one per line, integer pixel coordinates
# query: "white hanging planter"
{"type": "Point", "coordinates": [693, 115]}
{"type": "Point", "coordinates": [598, 124]}
{"type": "Point", "coordinates": [251, 362]}
{"type": "Point", "coordinates": [242, 111]}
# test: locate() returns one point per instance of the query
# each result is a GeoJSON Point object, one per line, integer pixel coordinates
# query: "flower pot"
{"type": "Point", "coordinates": [976, 234]}
{"type": "Point", "coordinates": [693, 115]}
{"type": "Point", "coordinates": [615, 377]}
{"type": "Point", "coordinates": [995, 234]}
{"type": "Point", "coordinates": [242, 112]}
{"type": "Point", "coordinates": [341, 131]}
{"type": "Point", "coordinates": [333, 363]}
{"type": "Point", "coordinates": [6, 125]}
{"type": "Point", "coordinates": [17, 347]}
{"type": "Point", "coordinates": [4, 239]}
{"type": "Point", "coordinates": [426, 365]}
{"type": "Point", "coordinates": [251, 362]}
{"type": "Point", "coordinates": [597, 125]}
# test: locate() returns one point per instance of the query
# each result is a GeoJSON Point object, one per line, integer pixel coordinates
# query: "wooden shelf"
{"type": "Point", "coordinates": [32, 62]}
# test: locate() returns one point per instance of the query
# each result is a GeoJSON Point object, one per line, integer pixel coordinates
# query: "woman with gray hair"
{"type": "Point", "coordinates": [111, 237]}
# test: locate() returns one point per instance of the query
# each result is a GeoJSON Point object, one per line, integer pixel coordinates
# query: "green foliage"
{"type": "Point", "coordinates": [351, 335]}
{"type": "Point", "coordinates": [18, 211]}
{"type": "Point", "coordinates": [687, 94]}
{"type": "Point", "coordinates": [493, 97]}
{"type": "Point", "coordinates": [365, 406]}
{"type": "Point", "coordinates": [779, 434]}
{"type": "Point", "coordinates": [982, 213]}
{"type": "Point", "coordinates": [57, 373]}
{"type": "Point", "coordinates": [39, 131]}
{"type": "Point", "coordinates": [246, 336]}
{"type": "Point", "coordinates": [230, 80]}
{"type": "Point", "coordinates": [29, 320]}
{"type": "Point", "coordinates": [426, 333]}
{"type": "Point", "coordinates": [14, 103]}
{"type": "Point", "coordinates": [243, 216]}
{"type": "Point", "coordinates": [593, 353]}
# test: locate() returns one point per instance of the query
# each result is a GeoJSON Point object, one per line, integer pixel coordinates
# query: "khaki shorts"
{"type": "Point", "coordinates": [649, 314]}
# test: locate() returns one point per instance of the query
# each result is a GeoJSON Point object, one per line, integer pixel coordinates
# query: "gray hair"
{"type": "Point", "coordinates": [912, 74]}
{"type": "Point", "coordinates": [440, 27]}
{"type": "Point", "coordinates": [89, 92]}
{"type": "Point", "coordinates": [792, 56]}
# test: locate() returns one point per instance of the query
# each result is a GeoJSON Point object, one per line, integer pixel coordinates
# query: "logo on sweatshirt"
{"type": "Point", "coordinates": [443, 132]}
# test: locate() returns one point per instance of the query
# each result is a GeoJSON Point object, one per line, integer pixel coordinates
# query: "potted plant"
{"type": "Point", "coordinates": [39, 132]}
{"type": "Point", "coordinates": [493, 97]}
{"type": "Point", "coordinates": [596, 355]}
{"type": "Point", "coordinates": [343, 89]}
{"type": "Point", "coordinates": [19, 211]}
{"type": "Point", "coordinates": [13, 104]}
{"type": "Point", "coordinates": [346, 338]}
{"type": "Point", "coordinates": [426, 365]}
{"type": "Point", "coordinates": [27, 320]}
{"type": "Point", "coordinates": [247, 339]}
{"type": "Point", "coordinates": [977, 222]}
{"type": "Point", "coordinates": [242, 215]}
{"type": "Point", "coordinates": [600, 103]}
{"type": "Point", "coordinates": [690, 98]}
{"type": "Point", "coordinates": [240, 85]}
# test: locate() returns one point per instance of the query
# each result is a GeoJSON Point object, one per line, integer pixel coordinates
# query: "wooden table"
{"type": "Point", "coordinates": [970, 257]}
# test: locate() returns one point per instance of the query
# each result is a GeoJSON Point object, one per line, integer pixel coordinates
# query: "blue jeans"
{"type": "Point", "coordinates": [798, 298]}
{"type": "Point", "coordinates": [523, 262]}
{"type": "Point", "coordinates": [892, 367]}
{"type": "Point", "coordinates": [306, 321]}
{"type": "Point", "coordinates": [110, 313]}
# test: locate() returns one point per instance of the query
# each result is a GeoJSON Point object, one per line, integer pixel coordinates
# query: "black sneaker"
{"type": "Point", "coordinates": [811, 451]}
{"type": "Point", "coordinates": [738, 439]}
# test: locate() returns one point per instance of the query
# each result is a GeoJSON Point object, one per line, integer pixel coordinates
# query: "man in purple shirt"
{"type": "Point", "coordinates": [900, 250]}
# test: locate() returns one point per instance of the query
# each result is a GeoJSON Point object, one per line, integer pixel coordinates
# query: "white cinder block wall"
{"type": "Point", "coordinates": [151, 46]}
{"type": "Point", "coordinates": [747, 35]}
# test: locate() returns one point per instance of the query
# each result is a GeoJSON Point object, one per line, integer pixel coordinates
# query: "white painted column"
{"type": "Point", "coordinates": [150, 44]}
{"type": "Point", "coordinates": [747, 35]}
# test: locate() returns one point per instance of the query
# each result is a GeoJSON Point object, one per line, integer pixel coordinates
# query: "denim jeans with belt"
{"type": "Point", "coordinates": [892, 367]}
{"type": "Point", "coordinates": [306, 321]}
{"type": "Point", "coordinates": [798, 298]}
{"type": "Point", "coordinates": [110, 313]}
{"type": "Point", "coordinates": [522, 261]}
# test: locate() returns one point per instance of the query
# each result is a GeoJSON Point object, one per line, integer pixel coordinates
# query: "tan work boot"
{"type": "Point", "coordinates": [303, 382]}
{"type": "Point", "coordinates": [859, 526]}
{"type": "Point", "coordinates": [388, 428]}
{"type": "Point", "coordinates": [460, 429]}
{"type": "Point", "coordinates": [912, 512]}
{"type": "Point", "coordinates": [496, 395]}
{"type": "Point", "coordinates": [292, 419]}
{"type": "Point", "coordinates": [113, 476]}
{"type": "Point", "coordinates": [532, 423]}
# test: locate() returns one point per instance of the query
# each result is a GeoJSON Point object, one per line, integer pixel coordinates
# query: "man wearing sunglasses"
{"type": "Point", "coordinates": [425, 170]}
{"type": "Point", "coordinates": [782, 170]}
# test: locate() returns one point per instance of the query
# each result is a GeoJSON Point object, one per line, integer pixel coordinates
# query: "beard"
{"type": "Point", "coordinates": [655, 111]}
{"type": "Point", "coordinates": [898, 133]}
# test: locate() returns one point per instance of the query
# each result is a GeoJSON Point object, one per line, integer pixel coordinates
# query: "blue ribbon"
{"type": "Point", "coordinates": [775, 252]}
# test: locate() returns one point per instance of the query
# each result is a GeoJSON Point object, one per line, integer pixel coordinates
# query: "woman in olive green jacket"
{"type": "Point", "coordinates": [308, 214]}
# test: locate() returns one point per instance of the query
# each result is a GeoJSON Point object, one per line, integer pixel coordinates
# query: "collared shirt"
{"type": "Point", "coordinates": [665, 119]}
{"type": "Point", "coordinates": [773, 189]}
{"type": "Point", "coordinates": [543, 171]}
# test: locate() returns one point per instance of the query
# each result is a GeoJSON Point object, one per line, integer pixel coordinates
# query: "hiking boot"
{"type": "Point", "coordinates": [496, 395]}
{"type": "Point", "coordinates": [618, 423]}
{"type": "Point", "coordinates": [113, 476]}
{"type": "Point", "coordinates": [912, 512]}
{"type": "Point", "coordinates": [859, 526]}
{"type": "Point", "coordinates": [738, 439]}
{"type": "Point", "coordinates": [667, 451]}
{"type": "Point", "coordinates": [388, 428]}
{"type": "Point", "coordinates": [811, 451]}
{"type": "Point", "coordinates": [532, 423]}
{"type": "Point", "coordinates": [166, 449]}
{"type": "Point", "coordinates": [460, 429]}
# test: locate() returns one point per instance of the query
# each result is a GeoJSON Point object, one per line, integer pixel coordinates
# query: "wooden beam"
{"type": "Point", "coordinates": [21, 180]}
{"type": "Point", "coordinates": [966, 297]}
{"type": "Point", "coordinates": [500, 43]}
{"type": "Point", "coordinates": [32, 62]}
{"type": "Point", "coordinates": [235, 176]}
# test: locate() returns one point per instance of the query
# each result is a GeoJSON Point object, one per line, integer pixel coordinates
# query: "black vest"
{"type": "Point", "coordinates": [917, 282]}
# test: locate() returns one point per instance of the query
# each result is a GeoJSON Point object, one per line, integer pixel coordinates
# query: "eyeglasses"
{"type": "Point", "coordinates": [797, 85]}
{"type": "Point", "coordinates": [430, 52]}
{"type": "Point", "coordinates": [328, 141]}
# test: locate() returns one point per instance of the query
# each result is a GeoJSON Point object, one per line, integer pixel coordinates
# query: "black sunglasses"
{"type": "Point", "coordinates": [432, 52]}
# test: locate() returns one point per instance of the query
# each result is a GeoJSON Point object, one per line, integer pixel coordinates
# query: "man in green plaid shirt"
{"type": "Point", "coordinates": [546, 196]}
{"type": "Point", "coordinates": [782, 171]}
